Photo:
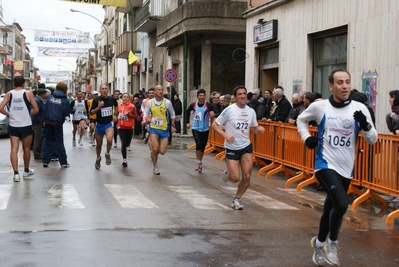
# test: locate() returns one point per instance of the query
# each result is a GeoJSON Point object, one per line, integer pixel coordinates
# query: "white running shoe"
{"type": "Point", "coordinates": [80, 142]}
{"type": "Point", "coordinates": [331, 251]}
{"type": "Point", "coordinates": [318, 254]}
{"type": "Point", "coordinates": [107, 159]}
{"type": "Point", "coordinates": [73, 142]}
{"type": "Point", "coordinates": [28, 174]}
{"type": "Point", "coordinates": [236, 205]}
{"type": "Point", "coordinates": [16, 178]}
{"type": "Point", "coordinates": [156, 170]}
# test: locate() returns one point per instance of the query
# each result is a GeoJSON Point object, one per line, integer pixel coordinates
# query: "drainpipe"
{"type": "Point", "coordinates": [131, 43]}
{"type": "Point", "coordinates": [185, 83]}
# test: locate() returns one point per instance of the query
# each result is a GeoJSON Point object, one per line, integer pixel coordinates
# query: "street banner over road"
{"type": "Point", "coordinates": [61, 52]}
{"type": "Point", "coordinates": [120, 3]}
{"type": "Point", "coordinates": [72, 37]}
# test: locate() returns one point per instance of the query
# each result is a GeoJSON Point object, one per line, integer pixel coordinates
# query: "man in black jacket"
{"type": "Point", "coordinates": [178, 107]}
{"type": "Point", "coordinates": [283, 106]}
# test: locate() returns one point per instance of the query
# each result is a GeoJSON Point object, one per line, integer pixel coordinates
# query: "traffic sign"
{"type": "Point", "coordinates": [170, 75]}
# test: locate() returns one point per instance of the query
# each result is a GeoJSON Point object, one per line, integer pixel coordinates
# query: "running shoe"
{"type": "Point", "coordinates": [128, 148]}
{"type": "Point", "coordinates": [198, 167]}
{"type": "Point", "coordinates": [107, 159]}
{"type": "Point", "coordinates": [318, 254]}
{"type": "Point", "coordinates": [16, 178]}
{"type": "Point", "coordinates": [115, 145]}
{"type": "Point", "coordinates": [73, 142]}
{"type": "Point", "coordinates": [224, 176]}
{"type": "Point", "coordinates": [156, 170]}
{"type": "Point", "coordinates": [145, 141]}
{"type": "Point", "coordinates": [124, 163]}
{"type": "Point", "coordinates": [331, 253]}
{"type": "Point", "coordinates": [90, 139]}
{"type": "Point", "coordinates": [65, 165]}
{"type": "Point", "coordinates": [80, 142]}
{"type": "Point", "coordinates": [29, 173]}
{"type": "Point", "coordinates": [45, 165]}
{"type": "Point", "coordinates": [98, 163]}
{"type": "Point", "coordinates": [236, 205]}
{"type": "Point", "coordinates": [54, 159]}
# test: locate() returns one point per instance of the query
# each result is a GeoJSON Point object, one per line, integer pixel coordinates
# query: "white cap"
{"type": "Point", "coordinates": [95, 93]}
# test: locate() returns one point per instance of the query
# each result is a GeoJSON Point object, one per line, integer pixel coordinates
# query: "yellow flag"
{"type": "Point", "coordinates": [132, 57]}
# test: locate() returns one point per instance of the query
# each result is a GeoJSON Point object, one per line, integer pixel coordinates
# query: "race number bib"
{"type": "Point", "coordinates": [241, 124]}
{"type": "Point", "coordinates": [197, 116]}
{"type": "Point", "coordinates": [122, 117]}
{"type": "Point", "coordinates": [157, 121]}
{"type": "Point", "coordinates": [107, 111]}
{"type": "Point", "coordinates": [339, 139]}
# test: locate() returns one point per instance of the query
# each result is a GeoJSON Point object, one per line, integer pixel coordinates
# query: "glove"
{"type": "Point", "coordinates": [361, 118]}
{"type": "Point", "coordinates": [311, 142]}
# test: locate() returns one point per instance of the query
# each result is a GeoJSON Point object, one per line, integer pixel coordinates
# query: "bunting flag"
{"type": "Point", "coordinates": [132, 57]}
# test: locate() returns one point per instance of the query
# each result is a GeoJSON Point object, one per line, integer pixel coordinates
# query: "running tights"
{"type": "Point", "coordinates": [335, 205]}
{"type": "Point", "coordinates": [126, 138]}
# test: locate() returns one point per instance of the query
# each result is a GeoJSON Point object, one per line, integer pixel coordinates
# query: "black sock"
{"type": "Point", "coordinates": [26, 169]}
{"type": "Point", "coordinates": [16, 172]}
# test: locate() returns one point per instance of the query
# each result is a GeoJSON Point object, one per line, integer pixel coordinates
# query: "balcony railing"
{"type": "Point", "coordinates": [124, 45]}
{"type": "Point", "coordinates": [147, 17]}
{"type": "Point", "coordinates": [5, 50]}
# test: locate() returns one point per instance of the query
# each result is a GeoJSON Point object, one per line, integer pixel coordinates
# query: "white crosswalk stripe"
{"type": "Point", "coordinates": [64, 196]}
{"type": "Point", "coordinates": [263, 200]}
{"type": "Point", "coordinates": [129, 197]}
{"type": "Point", "coordinates": [196, 199]}
{"type": "Point", "coordinates": [5, 193]}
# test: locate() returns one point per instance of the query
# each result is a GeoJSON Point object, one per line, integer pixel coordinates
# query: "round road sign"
{"type": "Point", "coordinates": [170, 75]}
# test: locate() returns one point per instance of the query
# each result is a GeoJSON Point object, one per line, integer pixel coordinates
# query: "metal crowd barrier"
{"type": "Point", "coordinates": [280, 149]}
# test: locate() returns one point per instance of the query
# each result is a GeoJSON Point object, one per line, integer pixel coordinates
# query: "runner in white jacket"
{"type": "Point", "coordinates": [339, 121]}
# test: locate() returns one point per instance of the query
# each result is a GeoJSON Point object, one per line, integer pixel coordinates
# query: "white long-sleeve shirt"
{"type": "Point", "coordinates": [337, 132]}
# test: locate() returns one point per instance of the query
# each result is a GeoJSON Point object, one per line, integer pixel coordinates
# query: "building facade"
{"type": "Point", "coordinates": [297, 43]}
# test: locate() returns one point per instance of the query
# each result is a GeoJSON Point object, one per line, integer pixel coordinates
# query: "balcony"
{"type": "Point", "coordinates": [124, 45]}
{"type": "Point", "coordinates": [147, 17]}
{"type": "Point", "coordinates": [222, 19]}
{"type": "Point", "coordinates": [5, 50]}
{"type": "Point", "coordinates": [5, 72]}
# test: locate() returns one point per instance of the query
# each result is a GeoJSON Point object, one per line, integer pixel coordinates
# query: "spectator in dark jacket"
{"type": "Point", "coordinates": [56, 109]}
{"type": "Point", "coordinates": [283, 106]}
{"type": "Point", "coordinates": [258, 107]}
{"type": "Point", "coordinates": [37, 122]}
{"type": "Point", "coordinates": [178, 107]}
{"type": "Point", "coordinates": [297, 108]}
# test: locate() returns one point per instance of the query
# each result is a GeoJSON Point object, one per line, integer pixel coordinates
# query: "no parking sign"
{"type": "Point", "coordinates": [170, 75]}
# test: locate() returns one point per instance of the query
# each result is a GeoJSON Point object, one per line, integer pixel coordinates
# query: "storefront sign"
{"type": "Point", "coordinates": [266, 31]}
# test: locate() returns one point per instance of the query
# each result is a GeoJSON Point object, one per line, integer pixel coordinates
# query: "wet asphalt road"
{"type": "Point", "coordinates": [128, 217]}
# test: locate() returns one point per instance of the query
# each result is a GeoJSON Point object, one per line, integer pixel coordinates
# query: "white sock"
{"type": "Point", "coordinates": [319, 243]}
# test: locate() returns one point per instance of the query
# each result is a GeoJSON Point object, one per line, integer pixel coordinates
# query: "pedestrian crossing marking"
{"type": "Point", "coordinates": [64, 196]}
{"type": "Point", "coordinates": [5, 193]}
{"type": "Point", "coordinates": [197, 200]}
{"type": "Point", "coordinates": [307, 195]}
{"type": "Point", "coordinates": [263, 200]}
{"type": "Point", "coordinates": [129, 197]}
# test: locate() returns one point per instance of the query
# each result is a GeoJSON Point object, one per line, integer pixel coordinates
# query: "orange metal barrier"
{"type": "Point", "coordinates": [280, 149]}
{"type": "Point", "coordinates": [384, 171]}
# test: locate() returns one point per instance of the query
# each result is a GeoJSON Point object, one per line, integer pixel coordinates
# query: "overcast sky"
{"type": "Point", "coordinates": [51, 15]}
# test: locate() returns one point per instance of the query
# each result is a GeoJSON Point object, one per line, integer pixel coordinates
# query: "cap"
{"type": "Point", "coordinates": [95, 93]}
{"type": "Point", "coordinates": [255, 91]}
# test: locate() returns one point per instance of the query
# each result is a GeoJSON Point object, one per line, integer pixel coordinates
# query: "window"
{"type": "Point", "coordinates": [330, 52]}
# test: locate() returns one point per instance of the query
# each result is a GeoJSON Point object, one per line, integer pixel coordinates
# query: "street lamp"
{"type": "Point", "coordinates": [102, 24]}
{"type": "Point", "coordinates": [67, 62]}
